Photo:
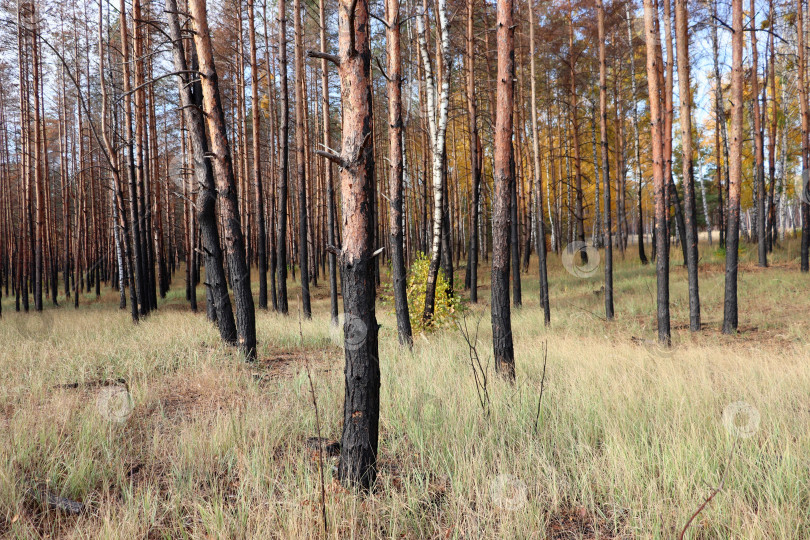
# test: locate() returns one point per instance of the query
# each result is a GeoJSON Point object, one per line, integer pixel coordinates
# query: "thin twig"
{"type": "Point", "coordinates": [542, 384]}
{"type": "Point", "coordinates": [317, 423]}
{"type": "Point", "coordinates": [479, 372]}
{"type": "Point", "coordinates": [713, 493]}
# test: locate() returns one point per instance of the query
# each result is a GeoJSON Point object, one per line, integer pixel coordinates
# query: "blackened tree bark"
{"type": "Point", "coordinates": [192, 101]}
{"type": "Point", "coordinates": [220, 154]}
{"type": "Point", "coordinates": [361, 408]}
{"type": "Point", "coordinates": [805, 207]}
{"type": "Point", "coordinates": [274, 140]}
{"type": "Point", "coordinates": [475, 155]}
{"type": "Point", "coordinates": [720, 127]}
{"type": "Point", "coordinates": [284, 161]}
{"type": "Point", "coordinates": [503, 177]}
{"type": "Point", "coordinates": [395, 157]}
{"type": "Point", "coordinates": [770, 233]}
{"type": "Point", "coordinates": [300, 162]}
{"type": "Point", "coordinates": [730, 317]}
{"type": "Point", "coordinates": [538, 175]}
{"type": "Point", "coordinates": [39, 181]}
{"type": "Point", "coordinates": [690, 221]}
{"type": "Point", "coordinates": [579, 210]}
{"type": "Point", "coordinates": [660, 185]}
{"type": "Point", "coordinates": [639, 177]}
{"type": "Point", "coordinates": [258, 187]}
{"type": "Point", "coordinates": [759, 146]}
{"type": "Point", "coordinates": [605, 161]}
{"type": "Point", "coordinates": [330, 195]}
{"type": "Point", "coordinates": [118, 189]}
{"type": "Point", "coordinates": [137, 253]}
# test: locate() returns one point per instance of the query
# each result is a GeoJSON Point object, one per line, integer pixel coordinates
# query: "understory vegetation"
{"type": "Point", "coordinates": [160, 431]}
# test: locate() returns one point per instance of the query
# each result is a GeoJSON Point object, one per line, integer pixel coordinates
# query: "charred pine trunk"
{"type": "Point", "coordinates": [137, 267]}
{"type": "Point", "coordinates": [395, 153]}
{"type": "Point", "coordinates": [475, 158]}
{"type": "Point", "coordinates": [639, 177]}
{"type": "Point", "coordinates": [657, 127]}
{"type": "Point", "coordinates": [191, 99]}
{"type": "Point", "coordinates": [730, 313]}
{"type": "Point", "coordinates": [805, 207]}
{"type": "Point", "coordinates": [503, 176]}
{"type": "Point", "coordinates": [538, 178]}
{"type": "Point", "coordinates": [220, 154]}
{"type": "Point", "coordinates": [690, 223]}
{"type": "Point", "coordinates": [258, 187]}
{"type": "Point", "coordinates": [361, 409]}
{"type": "Point", "coordinates": [330, 195]}
{"type": "Point", "coordinates": [759, 148]}
{"type": "Point", "coordinates": [605, 162]}
{"type": "Point", "coordinates": [284, 165]}
{"type": "Point", "coordinates": [300, 126]}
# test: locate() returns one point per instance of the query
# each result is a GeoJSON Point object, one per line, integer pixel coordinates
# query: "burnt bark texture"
{"type": "Point", "coordinates": [660, 185]}
{"type": "Point", "coordinates": [220, 154]}
{"type": "Point", "coordinates": [284, 161]}
{"type": "Point", "coordinates": [503, 176]}
{"type": "Point", "coordinates": [395, 157]}
{"type": "Point", "coordinates": [300, 161]}
{"type": "Point", "coordinates": [258, 186]}
{"type": "Point", "coordinates": [361, 409]}
{"type": "Point", "coordinates": [192, 100]}
{"type": "Point", "coordinates": [690, 221]}
{"type": "Point", "coordinates": [730, 316]}
{"type": "Point", "coordinates": [605, 161]}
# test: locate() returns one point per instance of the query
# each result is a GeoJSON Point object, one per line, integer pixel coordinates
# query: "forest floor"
{"type": "Point", "coordinates": [159, 431]}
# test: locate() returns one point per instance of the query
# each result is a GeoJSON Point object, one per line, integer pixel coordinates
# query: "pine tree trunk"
{"type": "Point", "coordinates": [660, 185]}
{"type": "Point", "coordinates": [721, 154]}
{"type": "Point", "coordinates": [771, 212]}
{"type": "Point", "coordinates": [361, 409]}
{"type": "Point", "coordinates": [220, 155]}
{"type": "Point", "coordinates": [258, 187]}
{"type": "Point", "coordinates": [300, 126]}
{"type": "Point", "coordinates": [395, 158]}
{"type": "Point", "coordinates": [284, 166]}
{"type": "Point", "coordinates": [134, 215]}
{"type": "Point", "coordinates": [690, 223]}
{"type": "Point", "coordinates": [330, 195]}
{"type": "Point", "coordinates": [503, 177]}
{"type": "Point", "coordinates": [759, 147]}
{"type": "Point", "coordinates": [579, 216]}
{"type": "Point", "coordinates": [805, 207]}
{"type": "Point", "coordinates": [639, 177]}
{"type": "Point", "coordinates": [730, 316]}
{"type": "Point", "coordinates": [605, 161]}
{"type": "Point", "coordinates": [538, 178]}
{"type": "Point", "coordinates": [112, 157]}
{"type": "Point", "coordinates": [475, 158]}
{"type": "Point", "coordinates": [192, 101]}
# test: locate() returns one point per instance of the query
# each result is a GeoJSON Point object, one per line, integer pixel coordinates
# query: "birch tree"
{"type": "Point", "coordinates": [437, 98]}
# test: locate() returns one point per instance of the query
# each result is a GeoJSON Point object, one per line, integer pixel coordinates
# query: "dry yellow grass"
{"type": "Point", "coordinates": [630, 441]}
